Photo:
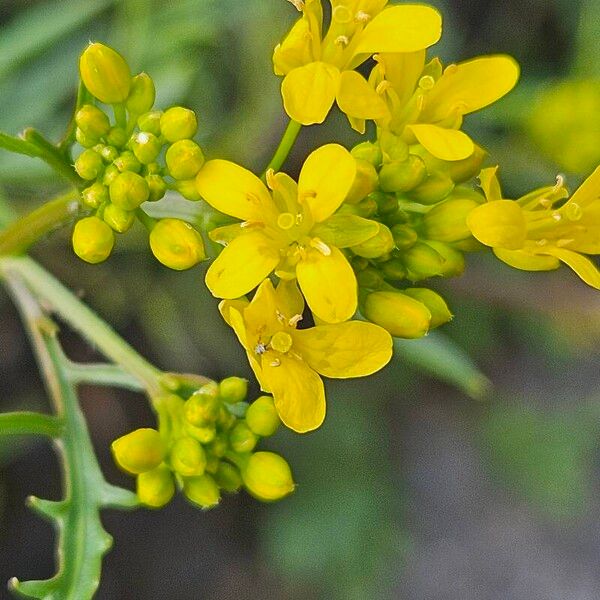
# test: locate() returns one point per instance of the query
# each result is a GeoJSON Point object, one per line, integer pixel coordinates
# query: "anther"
{"type": "Point", "coordinates": [295, 320]}
{"type": "Point", "coordinates": [299, 4]}
{"type": "Point", "coordinates": [275, 363]}
{"type": "Point", "coordinates": [270, 177]}
{"type": "Point", "coordinates": [321, 246]}
{"type": "Point", "coordinates": [362, 17]}
{"type": "Point", "coordinates": [260, 348]}
{"type": "Point", "coordinates": [342, 40]}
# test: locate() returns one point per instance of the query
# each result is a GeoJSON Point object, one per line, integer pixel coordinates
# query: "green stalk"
{"type": "Point", "coordinates": [287, 142]}
{"type": "Point", "coordinates": [30, 423]}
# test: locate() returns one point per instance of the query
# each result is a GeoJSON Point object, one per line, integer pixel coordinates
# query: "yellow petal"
{"type": "Point", "coordinates": [358, 99]}
{"type": "Point", "coordinates": [403, 28]}
{"type": "Point", "coordinates": [325, 180]}
{"type": "Point", "coordinates": [447, 144]}
{"type": "Point", "coordinates": [583, 266]}
{"type": "Point", "coordinates": [225, 306]}
{"type": "Point", "coordinates": [231, 310]}
{"type": "Point", "coordinates": [488, 180]}
{"type": "Point", "coordinates": [298, 393]}
{"type": "Point", "coordinates": [242, 265]}
{"type": "Point", "coordinates": [261, 315]}
{"type": "Point", "coordinates": [234, 190]}
{"type": "Point", "coordinates": [588, 192]}
{"type": "Point", "coordinates": [402, 70]}
{"type": "Point", "coordinates": [226, 234]}
{"type": "Point", "coordinates": [344, 231]}
{"type": "Point", "coordinates": [328, 284]}
{"type": "Point", "coordinates": [288, 298]}
{"type": "Point", "coordinates": [309, 91]}
{"type": "Point", "coordinates": [295, 50]}
{"type": "Point", "coordinates": [521, 259]}
{"type": "Point", "coordinates": [499, 224]}
{"type": "Point", "coordinates": [341, 350]}
{"type": "Point", "coordinates": [470, 85]}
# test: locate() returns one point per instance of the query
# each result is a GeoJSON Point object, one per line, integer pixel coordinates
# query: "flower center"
{"type": "Point", "coordinates": [281, 342]}
{"type": "Point", "coordinates": [286, 221]}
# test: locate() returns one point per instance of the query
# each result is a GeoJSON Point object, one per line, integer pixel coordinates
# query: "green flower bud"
{"type": "Point", "coordinates": [369, 278]}
{"type": "Point", "coordinates": [434, 189]}
{"type": "Point", "coordinates": [226, 420]}
{"type": "Point", "coordinates": [365, 181]}
{"type": "Point", "coordinates": [89, 165]}
{"type": "Point", "coordinates": [262, 417]}
{"type": "Point", "coordinates": [387, 204]}
{"type": "Point", "coordinates": [402, 176]}
{"type": "Point", "coordinates": [157, 187]}
{"type": "Point", "coordinates": [393, 269]}
{"type": "Point", "coordinates": [153, 169]}
{"type": "Point", "coordinates": [139, 451]}
{"type": "Point", "coordinates": [212, 464]}
{"type": "Point", "coordinates": [267, 476]}
{"type": "Point", "coordinates": [228, 477]}
{"type": "Point", "coordinates": [204, 435]}
{"type": "Point", "coordinates": [202, 491]}
{"type": "Point", "coordinates": [110, 174]}
{"type": "Point", "coordinates": [399, 314]}
{"type": "Point", "coordinates": [188, 189]}
{"type": "Point", "coordinates": [84, 139]}
{"type": "Point", "coordinates": [378, 245]}
{"type": "Point", "coordinates": [105, 74]}
{"type": "Point", "coordinates": [393, 148]}
{"type": "Point", "coordinates": [464, 170]}
{"type": "Point", "coordinates": [233, 389]}
{"type": "Point", "coordinates": [422, 261]}
{"type": "Point", "coordinates": [368, 151]}
{"type": "Point", "coordinates": [447, 221]}
{"type": "Point", "coordinates": [117, 137]}
{"type": "Point", "coordinates": [155, 488]}
{"type": "Point", "coordinates": [404, 236]}
{"type": "Point", "coordinates": [359, 263]}
{"type": "Point", "coordinates": [129, 190]}
{"type": "Point", "coordinates": [202, 407]}
{"type": "Point", "coordinates": [117, 218]}
{"type": "Point", "coordinates": [93, 240]}
{"type": "Point", "coordinates": [242, 438]}
{"type": "Point", "coordinates": [184, 159]}
{"type": "Point", "coordinates": [95, 195]}
{"type": "Point", "coordinates": [109, 153]}
{"type": "Point", "coordinates": [219, 445]}
{"type": "Point", "coordinates": [142, 94]}
{"type": "Point", "coordinates": [92, 121]}
{"type": "Point", "coordinates": [127, 161]}
{"type": "Point", "coordinates": [178, 123]}
{"type": "Point", "coordinates": [453, 263]}
{"type": "Point", "coordinates": [440, 313]}
{"type": "Point", "coordinates": [146, 147]}
{"type": "Point", "coordinates": [187, 457]}
{"type": "Point", "coordinates": [150, 122]}
{"type": "Point", "coordinates": [176, 244]}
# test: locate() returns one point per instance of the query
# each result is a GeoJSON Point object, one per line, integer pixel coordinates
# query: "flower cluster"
{"type": "Point", "coordinates": [204, 445]}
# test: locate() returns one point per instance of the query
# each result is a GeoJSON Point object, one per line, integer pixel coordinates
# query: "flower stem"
{"type": "Point", "coordinates": [287, 141]}
{"type": "Point", "coordinates": [30, 423]}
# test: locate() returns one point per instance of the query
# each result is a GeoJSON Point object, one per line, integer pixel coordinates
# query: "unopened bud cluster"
{"type": "Point", "coordinates": [132, 159]}
{"type": "Point", "coordinates": [205, 445]}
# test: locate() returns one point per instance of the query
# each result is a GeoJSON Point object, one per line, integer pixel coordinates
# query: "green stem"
{"type": "Point", "coordinates": [102, 374]}
{"type": "Point", "coordinates": [287, 141]}
{"type": "Point", "coordinates": [120, 115]}
{"type": "Point", "coordinates": [146, 220]}
{"type": "Point", "coordinates": [31, 423]}
{"type": "Point", "coordinates": [22, 234]}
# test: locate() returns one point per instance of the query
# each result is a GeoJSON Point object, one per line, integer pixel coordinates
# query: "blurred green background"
{"type": "Point", "coordinates": [411, 489]}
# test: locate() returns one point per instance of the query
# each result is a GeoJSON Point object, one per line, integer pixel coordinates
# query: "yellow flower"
{"type": "Point", "coordinates": [319, 67]}
{"type": "Point", "coordinates": [288, 361]}
{"type": "Point", "coordinates": [426, 104]}
{"type": "Point", "coordinates": [541, 230]}
{"type": "Point", "coordinates": [290, 230]}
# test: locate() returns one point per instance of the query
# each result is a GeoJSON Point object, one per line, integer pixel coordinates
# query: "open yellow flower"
{"type": "Point", "coordinates": [319, 68]}
{"type": "Point", "coordinates": [541, 230]}
{"type": "Point", "coordinates": [288, 361]}
{"type": "Point", "coordinates": [290, 230]}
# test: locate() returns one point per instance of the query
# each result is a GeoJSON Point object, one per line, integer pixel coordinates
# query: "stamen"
{"type": "Point", "coordinates": [299, 218]}
{"type": "Point", "coordinates": [270, 177]}
{"type": "Point", "coordinates": [541, 242]}
{"type": "Point", "coordinates": [295, 320]}
{"type": "Point", "coordinates": [560, 182]}
{"type": "Point", "coordinates": [342, 40]}
{"type": "Point", "coordinates": [260, 348]}
{"type": "Point", "coordinates": [275, 363]}
{"type": "Point", "coordinates": [280, 317]}
{"type": "Point", "coordinates": [362, 17]}
{"type": "Point", "coordinates": [557, 216]}
{"type": "Point", "coordinates": [382, 87]}
{"type": "Point", "coordinates": [563, 242]}
{"type": "Point", "coordinates": [299, 4]}
{"type": "Point", "coordinates": [545, 202]}
{"type": "Point", "coordinates": [321, 246]}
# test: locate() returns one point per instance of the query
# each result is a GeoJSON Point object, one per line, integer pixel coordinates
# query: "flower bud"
{"type": "Point", "coordinates": [184, 159]}
{"type": "Point", "coordinates": [218, 446]}
{"type": "Point", "coordinates": [146, 147]}
{"type": "Point", "coordinates": [464, 170]}
{"type": "Point", "coordinates": [233, 389]}
{"type": "Point", "coordinates": [440, 313]}
{"type": "Point", "coordinates": [368, 151]}
{"type": "Point", "coordinates": [117, 218]}
{"type": "Point", "coordinates": [188, 189]}
{"type": "Point", "coordinates": [392, 147]}
{"type": "Point", "coordinates": [402, 176]}
{"type": "Point", "coordinates": [95, 195]}
{"type": "Point", "coordinates": [109, 153]}
{"type": "Point", "coordinates": [89, 164]}
{"type": "Point", "coordinates": [422, 261]}
{"type": "Point", "coordinates": [176, 244]}
{"type": "Point", "coordinates": [153, 169]}
{"type": "Point", "coordinates": [226, 420]}
{"type": "Point", "coordinates": [93, 240]}
{"type": "Point", "coordinates": [228, 477]}
{"type": "Point", "coordinates": [110, 174]}
{"type": "Point", "coordinates": [378, 245]}
{"type": "Point", "coordinates": [156, 186]}
{"type": "Point", "coordinates": [117, 137]}
{"type": "Point", "coordinates": [139, 451]}
{"type": "Point", "coordinates": [369, 278]}
{"type": "Point", "coordinates": [393, 269]}
{"type": "Point", "coordinates": [84, 139]}
{"type": "Point", "coordinates": [262, 417]}
{"type": "Point", "coordinates": [128, 190]}
{"type": "Point", "coordinates": [105, 73]}
{"type": "Point", "coordinates": [92, 121]}
{"type": "Point", "coordinates": [141, 95]}
{"type": "Point", "coordinates": [399, 314]}
{"type": "Point", "coordinates": [405, 236]}
{"type": "Point", "coordinates": [359, 263]}
{"type": "Point", "coordinates": [453, 263]}
{"type": "Point", "coordinates": [155, 488]}
{"type": "Point", "coordinates": [365, 181]}
{"type": "Point", "coordinates": [447, 221]}
{"type": "Point", "coordinates": [434, 189]}
{"type": "Point", "coordinates": [202, 491]}
{"type": "Point", "coordinates": [202, 407]}
{"type": "Point", "coordinates": [267, 476]}
{"type": "Point", "coordinates": [187, 457]}
{"type": "Point", "coordinates": [150, 122]}
{"type": "Point", "coordinates": [178, 123]}
{"type": "Point", "coordinates": [204, 435]}
{"type": "Point", "coordinates": [212, 464]}
{"type": "Point", "coordinates": [127, 161]}
{"type": "Point", "coordinates": [242, 438]}
{"type": "Point", "coordinates": [387, 204]}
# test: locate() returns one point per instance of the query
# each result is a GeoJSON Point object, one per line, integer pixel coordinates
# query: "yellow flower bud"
{"type": "Point", "coordinates": [187, 457]}
{"type": "Point", "coordinates": [150, 122]}
{"type": "Point", "coordinates": [139, 451]}
{"type": "Point", "coordinates": [440, 313]}
{"type": "Point", "coordinates": [365, 181]}
{"type": "Point", "coordinates": [95, 195]}
{"type": "Point", "coordinates": [93, 240]}
{"type": "Point", "coordinates": [393, 269]}
{"type": "Point", "coordinates": [109, 153]}
{"type": "Point", "coordinates": [84, 139]}
{"type": "Point", "coordinates": [405, 236]}
{"type": "Point", "coordinates": [117, 137]}
{"type": "Point", "coordinates": [434, 189]}
{"type": "Point", "coordinates": [401, 315]}
{"type": "Point", "coordinates": [212, 464]}
{"type": "Point", "coordinates": [402, 176]}
{"type": "Point", "coordinates": [267, 476]}
{"type": "Point", "coordinates": [184, 159]}
{"type": "Point", "coordinates": [392, 147]}
{"type": "Point", "coordinates": [89, 164]}
{"type": "Point", "coordinates": [117, 218]}
{"type": "Point", "coordinates": [368, 151]}
{"type": "Point", "coordinates": [233, 389]}
{"type": "Point", "coordinates": [422, 261]}
{"type": "Point", "coordinates": [92, 121]}
{"type": "Point", "coordinates": [226, 420]}
{"type": "Point", "coordinates": [369, 278]}
{"type": "Point", "coordinates": [155, 488]}
{"type": "Point", "coordinates": [141, 95]}
{"type": "Point", "coordinates": [178, 123]}
{"type": "Point", "coordinates": [453, 263]}
{"type": "Point", "coordinates": [447, 221]}
{"type": "Point", "coordinates": [128, 190]}
{"type": "Point", "coordinates": [262, 417]}
{"type": "Point", "coordinates": [467, 168]}
{"type": "Point", "coordinates": [110, 174]}
{"type": "Point", "coordinates": [203, 434]}
{"type": "Point", "coordinates": [228, 477]}
{"type": "Point", "coordinates": [242, 438]}
{"type": "Point", "coordinates": [156, 186]}
{"type": "Point", "coordinates": [105, 73]}
{"type": "Point", "coordinates": [202, 407]}
{"type": "Point", "coordinates": [378, 245]}
{"type": "Point", "coordinates": [387, 204]}
{"type": "Point", "coordinates": [188, 189]}
{"type": "Point", "coordinates": [146, 147]}
{"type": "Point", "coordinates": [127, 161]}
{"type": "Point", "coordinates": [176, 244]}
{"type": "Point", "coordinates": [202, 491]}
